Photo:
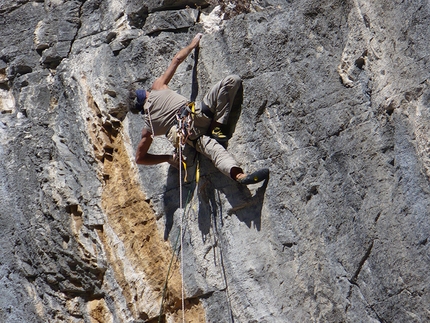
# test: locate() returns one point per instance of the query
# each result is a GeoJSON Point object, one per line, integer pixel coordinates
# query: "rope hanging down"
{"type": "Point", "coordinates": [185, 131]}
{"type": "Point", "coordinates": [178, 135]}
{"type": "Point", "coordinates": [175, 249]}
{"type": "Point", "coordinates": [182, 233]}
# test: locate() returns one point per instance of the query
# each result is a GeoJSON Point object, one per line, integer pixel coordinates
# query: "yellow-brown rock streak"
{"type": "Point", "coordinates": [135, 249]}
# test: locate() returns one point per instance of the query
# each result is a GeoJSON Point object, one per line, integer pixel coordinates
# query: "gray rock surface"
{"type": "Point", "coordinates": [335, 102]}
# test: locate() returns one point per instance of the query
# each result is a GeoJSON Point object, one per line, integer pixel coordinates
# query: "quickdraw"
{"type": "Point", "coordinates": [179, 133]}
{"type": "Point", "coordinates": [185, 122]}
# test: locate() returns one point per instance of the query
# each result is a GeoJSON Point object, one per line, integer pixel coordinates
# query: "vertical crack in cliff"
{"type": "Point", "coordinates": [353, 279]}
{"type": "Point", "coordinates": [138, 254]}
{"type": "Point", "coordinates": [78, 27]}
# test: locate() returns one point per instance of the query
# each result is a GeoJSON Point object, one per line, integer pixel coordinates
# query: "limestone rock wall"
{"type": "Point", "coordinates": [335, 102]}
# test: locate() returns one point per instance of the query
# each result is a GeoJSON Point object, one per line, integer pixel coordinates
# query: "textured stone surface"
{"type": "Point", "coordinates": [336, 104]}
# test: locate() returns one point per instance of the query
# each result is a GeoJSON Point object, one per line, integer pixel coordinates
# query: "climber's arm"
{"type": "Point", "coordinates": [163, 80]}
{"type": "Point", "coordinates": [142, 156]}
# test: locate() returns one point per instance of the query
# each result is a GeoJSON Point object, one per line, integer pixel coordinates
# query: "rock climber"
{"type": "Point", "coordinates": [162, 107]}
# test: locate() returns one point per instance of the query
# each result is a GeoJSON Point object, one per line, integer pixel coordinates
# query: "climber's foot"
{"type": "Point", "coordinates": [253, 178]}
{"type": "Point", "coordinates": [218, 135]}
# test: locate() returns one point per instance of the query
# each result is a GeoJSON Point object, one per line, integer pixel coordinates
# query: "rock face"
{"type": "Point", "coordinates": [335, 102]}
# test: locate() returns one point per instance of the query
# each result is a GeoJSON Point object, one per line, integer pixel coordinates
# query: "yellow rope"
{"type": "Point", "coordinates": [185, 170]}
{"type": "Point", "coordinates": [198, 171]}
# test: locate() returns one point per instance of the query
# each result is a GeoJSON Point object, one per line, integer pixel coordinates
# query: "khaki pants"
{"type": "Point", "coordinates": [219, 100]}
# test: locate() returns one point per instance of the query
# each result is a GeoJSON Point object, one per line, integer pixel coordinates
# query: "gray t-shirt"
{"type": "Point", "coordinates": [161, 108]}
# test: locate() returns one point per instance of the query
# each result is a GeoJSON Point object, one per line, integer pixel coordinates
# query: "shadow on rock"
{"type": "Point", "coordinates": [248, 209]}
{"type": "Point", "coordinates": [214, 190]}
{"type": "Point", "coordinates": [171, 197]}
{"type": "Point", "coordinates": [217, 195]}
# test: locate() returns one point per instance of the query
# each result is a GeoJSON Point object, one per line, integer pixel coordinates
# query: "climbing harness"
{"type": "Point", "coordinates": [178, 134]}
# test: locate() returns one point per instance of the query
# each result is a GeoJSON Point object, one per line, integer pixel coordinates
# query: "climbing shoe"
{"type": "Point", "coordinates": [255, 177]}
{"type": "Point", "coordinates": [218, 135]}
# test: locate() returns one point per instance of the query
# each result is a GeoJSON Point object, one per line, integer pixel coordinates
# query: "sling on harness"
{"type": "Point", "coordinates": [186, 121]}
{"type": "Point", "coordinates": [178, 134]}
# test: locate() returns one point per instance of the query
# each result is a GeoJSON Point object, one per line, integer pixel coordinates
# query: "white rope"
{"type": "Point", "coordinates": [182, 220]}
{"type": "Point", "coordinates": [150, 122]}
